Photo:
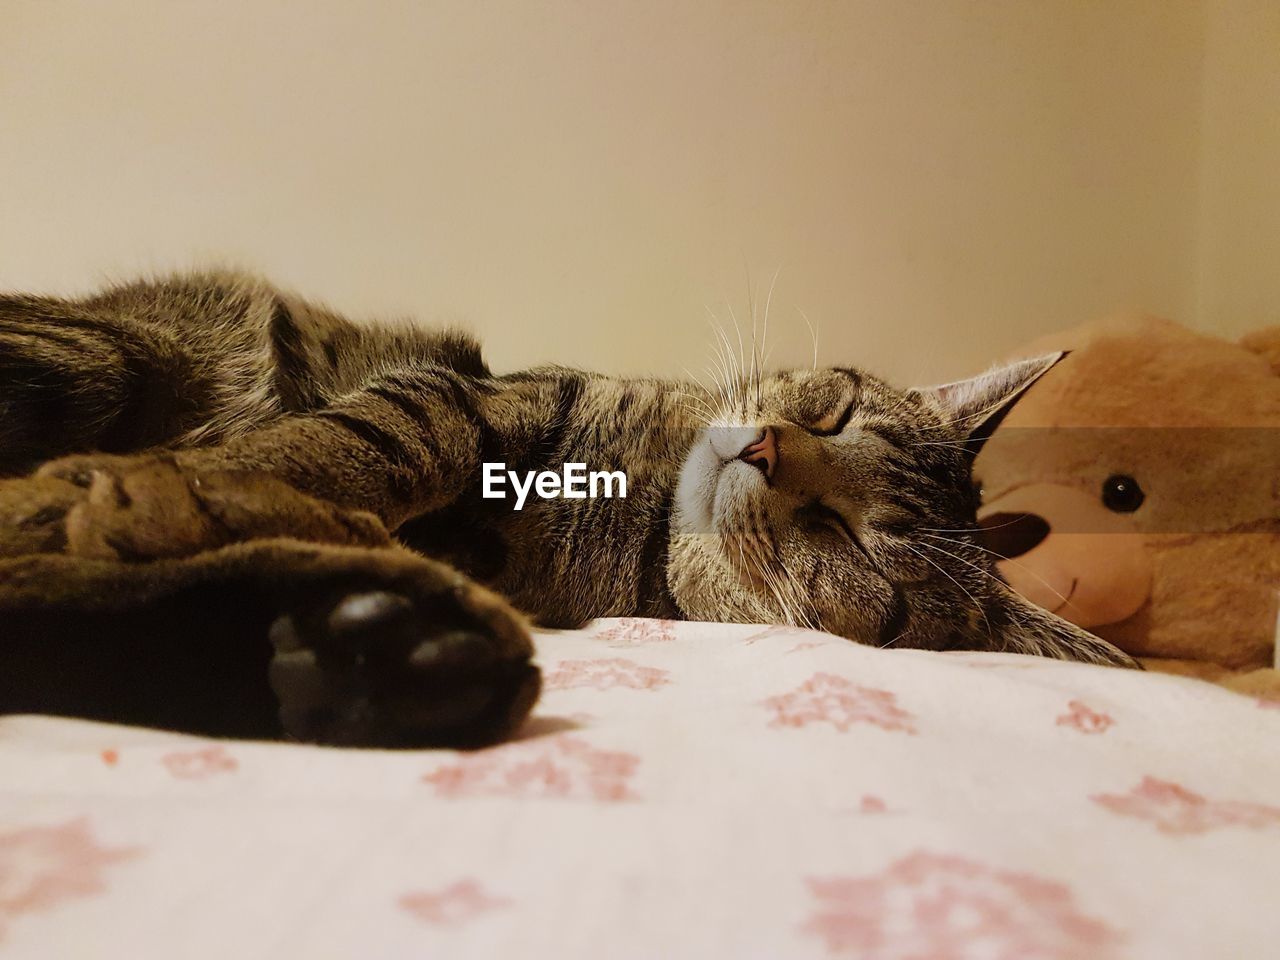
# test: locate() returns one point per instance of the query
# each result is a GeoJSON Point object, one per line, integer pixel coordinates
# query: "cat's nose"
{"type": "Point", "coordinates": [762, 453]}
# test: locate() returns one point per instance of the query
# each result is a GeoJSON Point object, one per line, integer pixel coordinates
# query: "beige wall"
{"type": "Point", "coordinates": [1239, 236]}
{"type": "Point", "coordinates": [578, 181]}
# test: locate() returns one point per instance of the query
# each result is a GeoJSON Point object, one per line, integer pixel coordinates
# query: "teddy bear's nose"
{"type": "Point", "coordinates": [1011, 535]}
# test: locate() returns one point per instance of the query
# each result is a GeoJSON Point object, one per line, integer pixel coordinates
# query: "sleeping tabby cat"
{"type": "Point", "coordinates": [250, 516]}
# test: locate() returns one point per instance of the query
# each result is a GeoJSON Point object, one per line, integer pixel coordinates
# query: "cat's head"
{"type": "Point", "coordinates": [828, 498]}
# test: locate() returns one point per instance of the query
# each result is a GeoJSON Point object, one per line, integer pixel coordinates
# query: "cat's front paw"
{"type": "Point", "coordinates": [150, 507]}
{"type": "Point", "coordinates": [33, 513]}
{"type": "Point", "coordinates": [444, 666]}
{"type": "Point", "coordinates": [80, 469]}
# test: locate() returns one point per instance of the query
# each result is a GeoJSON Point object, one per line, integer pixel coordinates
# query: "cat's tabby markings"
{"type": "Point", "coordinates": [250, 516]}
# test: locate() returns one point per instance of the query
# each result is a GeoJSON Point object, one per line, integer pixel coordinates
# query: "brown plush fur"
{"type": "Point", "coordinates": [1190, 580]}
{"type": "Point", "coordinates": [236, 492]}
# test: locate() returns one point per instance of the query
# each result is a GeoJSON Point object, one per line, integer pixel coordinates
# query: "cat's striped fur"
{"type": "Point", "coordinates": [217, 461]}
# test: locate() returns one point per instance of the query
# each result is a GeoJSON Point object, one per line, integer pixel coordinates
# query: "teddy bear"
{"type": "Point", "coordinates": [1135, 490]}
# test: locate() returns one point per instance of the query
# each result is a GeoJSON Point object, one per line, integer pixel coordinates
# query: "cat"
{"type": "Point", "coordinates": [227, 510]}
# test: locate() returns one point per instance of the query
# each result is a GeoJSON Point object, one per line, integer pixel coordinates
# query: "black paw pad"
{"type": "Point", "coordinates": [376, 669]}
{"type": "Point", "coordinates": [375, 611]}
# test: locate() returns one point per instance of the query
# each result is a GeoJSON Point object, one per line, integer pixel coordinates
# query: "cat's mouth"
{"type": "Point", "coordinates": [751, 549]}
{"type": "Point", "coordinates": [725, 498]}
{"type": "Point", "coordinates": [718, 490]}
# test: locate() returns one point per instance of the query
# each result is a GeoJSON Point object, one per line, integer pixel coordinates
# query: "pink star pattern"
{"type": "Point", "coordinates": [1175, 809]}
{"type": "Point", "coordinates": [199, 764]}
{"type": "Point", "coordinates": [605, 674]}
{"type": "Point", "coordinates": [630, 631]}
{"type": "Point", "coordinates": [45, 866]}
{"type": "Point", "coordinates": [452, 906]}
{"type": "Point", "coordinates": [931, 907]}
{"type": "Point", "coordinates": [776, 630]}
{"type": "Point", "coordinates": [870, 803]}
{"type": "Point", "coordinates": [826, 698]}
{"type": "Point", "coordinates": [806, 645]}
{"type": "Point", "coordinates": [562, 766]}
{"type": "Point", "coordinates": [1084, 719]}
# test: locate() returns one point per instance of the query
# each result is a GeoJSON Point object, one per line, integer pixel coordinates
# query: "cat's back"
{"type": "Point", "coordinates": [228, 351]}
{"type": "Point", "coordinates": [223, 307]}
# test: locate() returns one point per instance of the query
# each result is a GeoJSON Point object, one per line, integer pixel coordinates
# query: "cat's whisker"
{"type": "Point", "coordinates": [774, 584]}
{"type": "Point", "coordinates": [743, 566]}
{"type": "Point", "coordinates": [969, 529]}
{"type": "Point", "coordinates": [718, 346]}
{"type": "Point", "coordinates": [933, 563]}
{"type": "Point", "coordinates": [758, 565]}
{"type": "Point", "coordinates": [756, 345]}
{"type": "Point", "coordinates": [719, 357]}
{"type": "Point", "coordinates": [770, 581]}
{"type": "Point", "coordinates": [707, 412]}
{"type": "Point", "coordinates": [810, 617]}
{"type": "Point", "coordinates": [783, 589]}
{"type": "Point", "coordinates": [768, 302]}
{"type": "Point", "coordinates": [742, 361]}
{"type": "Point", "coordinates": [724, 386]}
{"type": "Point", "coordinates": [1052, 589]}
{"type": "Point", "coordinates": [764, 334]}
{"type": "Point", "coordinates": [813, 335]}
{"type": "Point", "coordinates": [955, 556]}
{"type": "Point", "coordinates": [957, 444]}
{"type": "Point", "coordinates": [988, 573]}
{"type": "Point", "coordinates": [707, 402]}
{"type": "Point", "coordinates": [701, 411]}
{"type": "Point", "coordinates": [751, 308]}
{"type": "Point", "coordinates": [733, 370]}
{"type": "Point", "coordinates": [979, 414]}
{"type": "Point", "coordinates": [708, 394]}
{"type": "Point", "coordinates": [698, 380]}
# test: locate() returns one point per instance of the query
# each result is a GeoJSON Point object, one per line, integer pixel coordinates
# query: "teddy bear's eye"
{"type": "Point", "coordinates": [1122, 493]}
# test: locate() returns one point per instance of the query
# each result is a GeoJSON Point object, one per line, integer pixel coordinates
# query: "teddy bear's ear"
{"type": "Point", "coordinates": [1265, 343]}
{"type": "Point", "coordinates": [977, 405]}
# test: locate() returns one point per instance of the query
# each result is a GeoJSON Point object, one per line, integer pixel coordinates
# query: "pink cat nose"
{"type": "Point", "coordinates": [763, 453]}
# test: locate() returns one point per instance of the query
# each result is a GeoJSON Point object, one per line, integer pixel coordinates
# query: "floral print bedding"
{"type": "Point", "coordinates": [683, 790]}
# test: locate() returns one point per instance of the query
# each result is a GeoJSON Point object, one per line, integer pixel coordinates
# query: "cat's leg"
{"type": "Point", "coordinates": [401, 445]}
{"type": "Point", "coordinates": [405, 444]}
{"type": "Point", "coordinates": [152, 509]}
{"type": "Point", "coordinates": [33, 514]}
{"type": "Point", "coordinates": [396, 434]}
{"type": "Point", "coordinates": [75, 379]}
{"type": "Point", "coordinates": [328, 644]}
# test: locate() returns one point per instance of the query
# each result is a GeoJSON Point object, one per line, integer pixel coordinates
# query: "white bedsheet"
{"type": "Point", "coordinates": [683, 790]}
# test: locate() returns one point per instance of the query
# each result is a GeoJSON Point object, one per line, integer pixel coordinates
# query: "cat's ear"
{"type": "Point", "coordinates": [977, 405]}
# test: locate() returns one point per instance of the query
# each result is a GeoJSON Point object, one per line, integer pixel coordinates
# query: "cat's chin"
{"type": "Point", "coordinates": [706, 586]}
{"type": "Point", "coordinates": [714, 491]}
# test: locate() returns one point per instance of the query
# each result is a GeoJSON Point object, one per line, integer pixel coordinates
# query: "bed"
{"type": "Point", "coordinates": [682, 790]}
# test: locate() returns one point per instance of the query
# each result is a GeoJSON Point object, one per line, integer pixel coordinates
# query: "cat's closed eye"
{"type": "Point", "coordinates": [833, 424]}
{"type": "Point", "coordinates": [833, 519]}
